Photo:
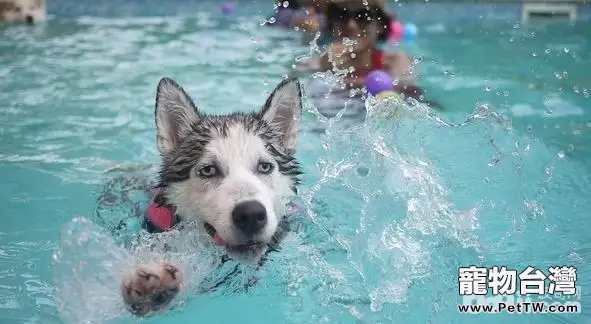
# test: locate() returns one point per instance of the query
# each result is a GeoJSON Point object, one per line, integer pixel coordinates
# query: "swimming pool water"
{"type": "Point", "coordinates": [394, 208]}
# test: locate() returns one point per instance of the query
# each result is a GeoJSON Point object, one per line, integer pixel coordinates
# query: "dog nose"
{"type": "Point", "coordinates": [29, 19]}
{"type": "Point", "coordinates": [250, 216]}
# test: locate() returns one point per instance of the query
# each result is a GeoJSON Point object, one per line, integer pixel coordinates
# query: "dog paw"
{"type": "Point", "coordinates": [151, 287]}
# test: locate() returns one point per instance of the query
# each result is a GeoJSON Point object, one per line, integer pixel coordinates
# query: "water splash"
{"type": "Point", "coordinates": [397, 208]}
{"type": "Point", "coordinates": [89, 265]}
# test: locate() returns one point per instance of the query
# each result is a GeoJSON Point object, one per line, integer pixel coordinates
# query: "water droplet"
{"type": "Point", "coordinates": [487, 88]}
{"type": "Point", "coordinates": [561, 155]}
{"type": "Point", "coordinates": [548, 111]}
{"type": "Point", "coordinates": [530, 128]}
{"type": "Point", "coordinates": [353, 55]}
{"type": "Point", "coordinates": [272, 20]}
{"type": "Point", "coordinates": [548, 172]}
{"type": "Point", "coordinates": [486, 180]}
{"type": "Point", "coordinates": [571, 147]}
{"type": "Point", "coordinates": [566, 50]}
{"type": "Point", "coordinates": [547, 51]}
{"type": "Point", "coordinates": [543, 191]}
{"type": "Point", "coordinates": [534, 54]}
{"type": "Point", "coordinates": [285, 4]}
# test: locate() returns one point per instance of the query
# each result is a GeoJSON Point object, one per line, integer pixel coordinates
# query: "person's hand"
{"type": "Point", "coordinates": [400, 66]}
{"type": "Point", "coordinates": [341, 56]}
{"type": "Point", "coordinates": [354, 54]}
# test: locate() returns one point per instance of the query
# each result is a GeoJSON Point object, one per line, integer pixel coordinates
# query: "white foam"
{"type": "Point", "coordinates": [553, 107]}
{"type": "Point", "coordinates": [88, 265]}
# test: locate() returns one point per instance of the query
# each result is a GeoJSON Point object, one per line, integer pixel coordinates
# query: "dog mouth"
{"type": "Point", "coordinates": [251, 247]}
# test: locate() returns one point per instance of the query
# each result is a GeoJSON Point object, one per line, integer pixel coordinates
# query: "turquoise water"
{"type": "Point", "coordinates": [393, 208]}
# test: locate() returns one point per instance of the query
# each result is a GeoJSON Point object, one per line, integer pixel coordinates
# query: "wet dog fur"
{"type": "Point", "coordinates": [22, 11]}
{"type": "Point", "coordinates": [232, 175]}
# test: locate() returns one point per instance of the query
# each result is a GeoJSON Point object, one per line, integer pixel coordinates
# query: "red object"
{"type": "Point", "coordinates": [396, 31]}
{"type": "Point", "coordinates": [378, 60]}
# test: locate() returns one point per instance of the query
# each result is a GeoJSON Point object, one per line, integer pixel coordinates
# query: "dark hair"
{"type": "Point", "coordinates": [387, 19]}
{"type": "Point", "coordinates": [335, 12]}
{"type": "Point", "coordinates": [291, 4]}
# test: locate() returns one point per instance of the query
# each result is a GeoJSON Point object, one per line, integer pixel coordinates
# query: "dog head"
{"type": "Point", "coordinates": [22, 11]}
{"type": "Point", "coordinates": [232, 174]}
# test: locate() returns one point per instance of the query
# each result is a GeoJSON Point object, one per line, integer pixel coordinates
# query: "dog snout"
{"type": "Point", "coordinates": [250, 217]}
{"type": "Point", "coordinates": [29, 19]}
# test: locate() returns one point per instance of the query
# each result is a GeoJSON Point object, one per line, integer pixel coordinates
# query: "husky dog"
{"type": "Point", "coordinates": [233, 175]}
{"type": "Point", "coordinates": [22, 11]}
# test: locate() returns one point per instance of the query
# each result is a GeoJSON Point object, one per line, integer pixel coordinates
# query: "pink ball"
{"type": "Point", "coordinates": [396, 31]}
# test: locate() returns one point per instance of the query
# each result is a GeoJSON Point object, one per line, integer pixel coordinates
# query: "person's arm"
{"type": "Point", "coordinates": [400, 67]}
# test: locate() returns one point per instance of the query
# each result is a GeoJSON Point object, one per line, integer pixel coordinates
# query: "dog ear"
{"type": "Point", "coordinates": [283, 111]}
{"type": "Point", "coordinates": [175, 112]}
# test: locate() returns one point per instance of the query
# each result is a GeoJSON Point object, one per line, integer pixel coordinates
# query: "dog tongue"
{"type": "Point", "coordinates": [218, 240]}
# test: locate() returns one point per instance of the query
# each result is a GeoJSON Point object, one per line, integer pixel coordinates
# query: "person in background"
{"type": "Point", "coordinates": [306, 15]}
{"type": "Point", "coordinates": [367, 24]}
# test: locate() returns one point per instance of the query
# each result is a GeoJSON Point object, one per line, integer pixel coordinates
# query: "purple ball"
{"type": "Point", "coordinates": [227, 8]}
{"type": "Point", "coordinates": [378, 81]}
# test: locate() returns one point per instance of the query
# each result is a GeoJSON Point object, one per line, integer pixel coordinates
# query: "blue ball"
{"type": "Point", "coordinates": [410, 32]}
{"type": "Point", "coordinates": [378, 81]}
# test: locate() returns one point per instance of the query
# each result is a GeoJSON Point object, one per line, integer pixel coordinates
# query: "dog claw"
{"type": "Point", "coordinates": [172, 271]}
{"type": "Point", "coordinates": [151, 288]}
{"type": "Point", "coordinates": [146, 276]}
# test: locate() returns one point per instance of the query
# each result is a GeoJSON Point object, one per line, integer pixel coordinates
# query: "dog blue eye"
{"type": "Point", "coordinates": [208, 171]}
{"type": "Point", "coordinates": [265, 167]}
